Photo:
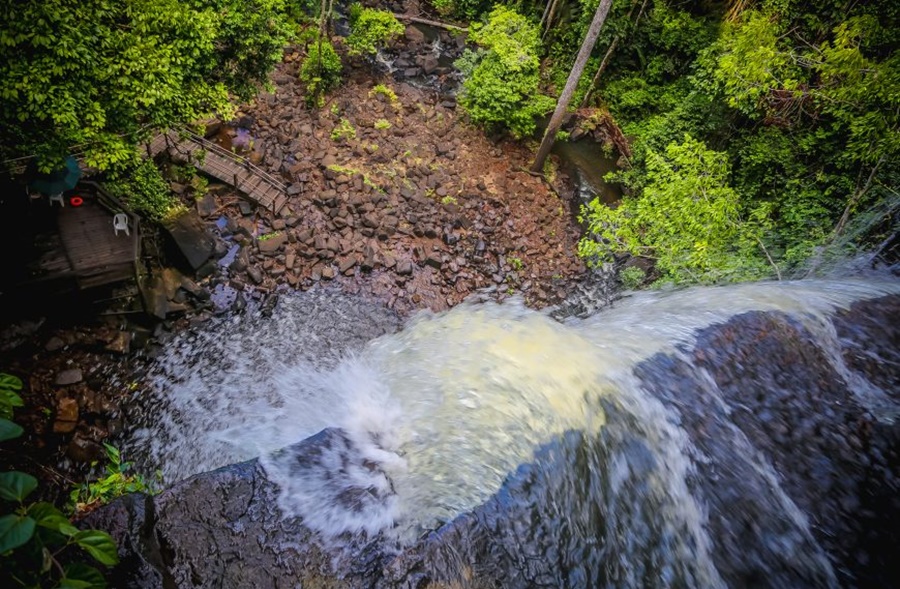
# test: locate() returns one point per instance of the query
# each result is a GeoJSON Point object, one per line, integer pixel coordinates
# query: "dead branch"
{"type": "Point", "coordinates": [430, 23]}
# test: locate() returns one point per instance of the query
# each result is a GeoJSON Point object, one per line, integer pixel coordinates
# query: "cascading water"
{"type": "Point", "coordinates": [434, 420]}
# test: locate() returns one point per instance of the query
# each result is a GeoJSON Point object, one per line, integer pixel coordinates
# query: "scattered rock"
{"type": "Point", "coordinates": [120, 343]}
{"type": "Point", "coordinates": [68, 377]}
{"type": "Point", "coordinates": [82, 449]}
{"type": "Point", "coordinates": [255, 274]}
{"type": "Point", "coordinates": [54, 344]}
{"type": "Point", "coordinates": [271, 244]}
{"type": "Point", "coordinates": [66, 416]}
{"type": "Point", "coordinates": [346, 265]}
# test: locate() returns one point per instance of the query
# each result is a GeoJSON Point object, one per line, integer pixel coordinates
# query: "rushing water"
{"type": "Point", "coordinates": [435, 417]}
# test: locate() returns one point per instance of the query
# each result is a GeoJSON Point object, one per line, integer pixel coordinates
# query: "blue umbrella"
{"type": "Point", "coordinates": [59, 180]}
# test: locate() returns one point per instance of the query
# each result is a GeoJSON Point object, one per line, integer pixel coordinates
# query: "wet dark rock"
{"type": "Point", "coordinates": [240, 303]}
{"type": "Point", "coordinates": [54, 344]}
{"type": "Point", "coordinates": [67, 377]}
{"type": "Point", "coordinates": [207, 206]}
{"type": "Point", "coordinates": [245, 208]}
{"type": "Point", "coordinates": [84, 449]}
{"type": "Point", "coordinates": [191, 238]}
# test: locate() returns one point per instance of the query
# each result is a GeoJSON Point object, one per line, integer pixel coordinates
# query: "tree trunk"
{"type": "Point", "coordinates": [571, 85]}
{"type": "Point", "coordinates": [605, 61]}
{"type": "Point", "coordinates": [549, 22]}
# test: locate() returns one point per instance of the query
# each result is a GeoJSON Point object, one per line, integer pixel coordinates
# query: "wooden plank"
{"type": "Point", "coordinates": [280, 201]}
{"type": "Point", "coordinates": [258, 185]}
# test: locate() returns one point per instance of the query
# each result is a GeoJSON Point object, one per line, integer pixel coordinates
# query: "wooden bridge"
{"type": "Point", "coordinates": [259, 186]}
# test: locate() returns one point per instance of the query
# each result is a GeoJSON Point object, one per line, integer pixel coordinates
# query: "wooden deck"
{"type": "Point", "coordinates": [85, 247]}
{"type": "Point", "coordinates": [259, 186]}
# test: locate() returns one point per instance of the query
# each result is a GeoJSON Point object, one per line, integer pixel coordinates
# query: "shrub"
{"type": "Point", "coordinates": [500, 90]}
{"type": "Point", "coordinates": [371, 29]}
{"type": "Point", "coordinates": [343, 131]}
{"type": "Point", "coordinates": [117, 482]}
{"type": "Point", "coordinates": [142, 187]}
{"type": "Point", "coordinates": [686, 218]}
{"type": "Point", "coordinates": [382, 90]}
{"type": "Point", "coordinates": [321, 71]}
{"type": "Point", "coordinates": [632, 277]}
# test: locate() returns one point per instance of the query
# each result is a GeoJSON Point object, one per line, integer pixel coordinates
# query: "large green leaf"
{"type": "Point", "coordinates": [15, 530]}
{"type": "Point", "coordinates": [98, 544]}
{"type": "Point", "coordinates": [8, 400]}
{"type": "Point", "coordinates": [81, 576]}
{"type": "Point", "coordinates": [47, 516]}
{"type": "Point", "coordinates": [15, 486]}
{"type": "Point", "coordinates": [8, 381]}
{"type": "Point", "coordinates": [9, 430]}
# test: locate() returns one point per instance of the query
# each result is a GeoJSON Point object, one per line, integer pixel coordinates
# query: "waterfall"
{"type": "Point", "coordinates": [587, 450]}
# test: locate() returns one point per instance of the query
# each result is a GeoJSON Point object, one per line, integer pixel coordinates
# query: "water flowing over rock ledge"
{"type": "Point", "coordinates": [797, 474]}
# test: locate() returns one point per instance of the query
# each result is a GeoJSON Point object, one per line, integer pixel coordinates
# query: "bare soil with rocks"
{"type": "Point", "coordinates": [399, 198]}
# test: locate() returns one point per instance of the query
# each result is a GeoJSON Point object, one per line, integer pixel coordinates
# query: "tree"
{"type": "Point", "coordinates": [98, 76]}
{"type": "Point", "coordinates": [687, 218]}
{"type": "Point", "coordinates": [371, 29]}
{"type": "Point", "coordinates": [571, 85]}
{"type": "Point", "coordinates": [500, 90]}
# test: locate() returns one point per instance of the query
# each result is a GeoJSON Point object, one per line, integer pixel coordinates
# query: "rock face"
{"type": "Point", "coordinates": [758, 390]}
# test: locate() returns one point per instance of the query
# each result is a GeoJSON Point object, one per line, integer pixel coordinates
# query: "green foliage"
{"type": "Point", "coordinates": [371, 29]}
{"type": "Point", "coordinates": [500, 91]}
{"type": "Point", "coordinates": [463, 9]}
{"type": "Point", "coordinates": [145, 191]}
{"type": "Point", "coordinates": [686, 218]}
{"type": "Point", "coordinates": [382, 124]}
{"type": "Point", "coordinates": [801, 101]}
{"type": "Point", "coordinates": [268, 236]}
{"type": "Point", "coordinates": [632, 277]}
{"type": "Point", "coordinates": [104, 75]}
{"type": "Point", "coordinates": [34, 537]}
{"type": "Point", "coordinates": [117, 482]}
{"type": "Point", "coordinates": [382, 90]}
{"type": "Point", "coordinates": [343, 131]}
{"type": "Point", "coordinates": [321, 71]}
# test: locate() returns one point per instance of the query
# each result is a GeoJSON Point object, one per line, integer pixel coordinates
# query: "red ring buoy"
{"type": "Point", "coordinates": [76, 201]}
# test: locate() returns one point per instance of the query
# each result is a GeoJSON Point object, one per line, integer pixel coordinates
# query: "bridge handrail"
{"type": "Point", "coordinates": [219, 150]}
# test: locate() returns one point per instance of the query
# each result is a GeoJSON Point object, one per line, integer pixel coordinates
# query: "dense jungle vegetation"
{"type": "Point", "coordinates": [762, 134]}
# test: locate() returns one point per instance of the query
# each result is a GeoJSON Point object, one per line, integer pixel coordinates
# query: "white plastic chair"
{"type": "Point", "coordinates": [57, 198]}
{"type": "Point", "coordinates": [120, 223]}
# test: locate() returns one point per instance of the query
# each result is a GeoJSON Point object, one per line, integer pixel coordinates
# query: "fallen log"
{"type": "Point", "coordinates": [431, 23]}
